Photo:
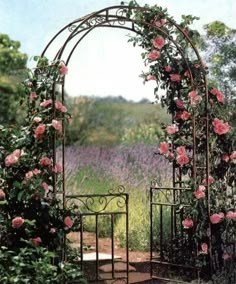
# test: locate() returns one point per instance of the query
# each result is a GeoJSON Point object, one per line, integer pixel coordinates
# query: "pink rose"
{"type": "Point", "coordinates": [11, 160]}
{"type": "Point", "coordinates": [204, 247]}
{"type": "Point", "coordinates": [187, 73]}
{"type": "Point", "coordinates": [196, 65]}
{"type": "Point", "coordinates": [187, 223]}
{"type": "Point", "coordinates": [164, 148]}
{"type": "Point", "coordinates": [233, 155]}
{"type": "Point", "coordinates": [39, 130]}
{"type": "Point", "coordinates": [175, 77]}
{"type": "Point", "coordinates": [29, 175]}
{"type": "Point", "coordinates": [185, 115]}
{"type": "Point", "coordinates": [171, 129]}
{"type": "Point", "coordinates": [226, 256]}
{"type": "Point", "coordinates": [45, 186]}
{"type": "Point", "coordinates": [210, 180]}
{"type": "Point", "coordinates": [33, 96]}
{"type": "Point", "coordinates": [17, 153]}
{"type": "Point", "coordinates": [170, 156]}
{"type": "Point", "coordinates": [185, 31]}
{"type": "Point", "coordinates": [151, 77]}
{"type": "Point", "coordinates": [199, 193]}
{"type": "Point", "coordinates": [36, 171]}
{"type": "Point", "coordinates": [37, 119]}
{"type": "Point", "coordinates": [154, 54]}
{"type": "Point", "coordinates": [181, 150]}
{"type": "Point", "coordinates": [182, 159]}
{"type": "Point", "coordinates": [179, 103]}
{"type": "Point", "coordinates": [68, 222]}
{"type": "Point", "coordinates": [220, 127]}
{"type": "Point", "coordinates": [158, 42]}
{"type": "Point", "coordinates": [36, 241]}
{"type": "Point", "coordinates": [231, 215]}
{"type": "Point", "coordinates": [168, 68]}
{"type": "Point", "coordinates": [158, 23]}
{"type": "Point", "coordinates": [216, 218]}
{"type": "Point", "coordinates": [220, 97]}
{"type": "Point", "coordinates": [225, 157]}
{"type": "Point", "coordinates": [2, 194]}
{"type": "Point", "coordinates": [63, 69]}
{"type": "Point", "coordinates": [57, 168]}
{"type": "Point", "coordinates": [52, 231]}
{"type": "Point", "coordinates": [195, 99]}
{"type": "Point", "coordinates": [57, 125]}
{"type": "Point", "coordinates": [45, 161]}
{"type": "Point", "coordinates": [17, 222]}
{"type": "Point", "coordinates": [46, 103]}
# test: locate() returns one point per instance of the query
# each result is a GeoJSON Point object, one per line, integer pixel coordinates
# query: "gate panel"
{"type": "Point", "coordinates": [99, 213]}
{"type": "Point", "coordinates": [172, 247]}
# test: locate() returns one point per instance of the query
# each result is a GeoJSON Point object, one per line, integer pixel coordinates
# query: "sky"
{"type": "Point", "coordinates": [104, 63]}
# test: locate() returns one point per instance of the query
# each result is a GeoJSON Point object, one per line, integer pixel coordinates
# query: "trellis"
{"type": "Point", "coordinates": [176, 197]}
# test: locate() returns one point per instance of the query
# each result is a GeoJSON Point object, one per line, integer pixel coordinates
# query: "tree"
{"type": "Point", "coordinates": [12, 72]}
{"type": "Point", "coordinates": [220, 52]}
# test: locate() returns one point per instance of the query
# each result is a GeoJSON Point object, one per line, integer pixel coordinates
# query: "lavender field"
{"type": "Point", "coordinates": [133, 166]}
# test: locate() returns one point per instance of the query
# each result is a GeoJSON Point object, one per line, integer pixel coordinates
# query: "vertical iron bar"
{"type": "Point", "coordinates": [97, 255]}
{"type": "Point", "coordinates": [81, 243]}
{"type": "Point", "coordinates": [127, 237]}
{"type": "Point", "coordinates": [54, 137]}
{"type": "Point", "coordinates": [151, 232]}
{"type": "Point", "coordinates": [112, 245]}
{"type": "Point", "coordinates": [161, 231]}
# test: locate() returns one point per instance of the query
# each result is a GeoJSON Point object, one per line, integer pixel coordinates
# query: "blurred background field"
{"type": "Point", "coordinates": [112, 142]}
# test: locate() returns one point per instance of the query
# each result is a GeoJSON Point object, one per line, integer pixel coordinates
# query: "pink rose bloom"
{"type": "Point", "coordinates": [175, 77]}
{"type": "Point", "coordinates": [170, 156]}
{"type": "Point", "coordinates": [185, 115]}
{"type": "Point", "coordinates": [36, 171]}
{"type": "Point", "coordinates": [46, 103]}
{"type": "Point", "coordinates": [197, 65]}
{"type": "Point", "coordinates": [63, 69]}
{"type": "Point", "coordinates": [187, 223]}
{"type": "Point", "coordinates": [233, 155]}
{"type": "Point", "coordinates": [182, 159]}
{"type": "Point", "coordinates": [63, 109]}
{"type": "Point", "coordinates": [68, 222]}
{"type": "Point", "coordinates": [185, 31]}
{"type": "Point", "coordinates": [57, 168]}
{"type": "Point", "coordinates": [58, 105]}
{"type": "Point", "coordinates": [216, 218]}
{"type": "Point", "coordinates": [164, 148]}
{"type": "Point", "coordinates": [179, 103]}
{"type": "Point", "coordinates": [36, 241]}
{"type": "Point", "coordinates": [187, 73]}
{"type": "Point", "coordinates": [195, 99]}
{"type": "Point", "coordinates": [11, 160]}
{"type": "Point", "coordinates": [45, 186]}
{"type": "Point", "coordinates": [225, 157]}
{"type": "Point", "coordinates": [220, 127]}
{"type": "Point", "coordinates": [204, 247]}
{"type": "Point", "coordinates": [33, 96]}
{"type": "Point", "coordinates": [231, 215]}
{"type": "Point", "coordinates": [181, 150]}
{"type": "Point", "coordinates": [17, 153]}
{"type": "Point", "coordinates": [154, 54]}
{"type": "Point", "coordinates": [158, 42]}
{"type": "Point", "coordinates": [168, 68]}
{"type": "Point", "coordinates": [151, 77]}
{"type": "Point", "coordinates": [39, 130]}
{"type": "Point", "coordinates": [37, 119]}
{"type": "Point", "coordinates": [17, 222]}
{"type": "Point", "coordinates": [29, 175]}
{"type": "Point", "coordinates": [226, 256]}
{"type": "Point", "coordinates": [159, 23]}
{"type": "Point", "coordinates": [220, 97]}
{"type": "Point", "coordinates": [45, 161]}
{"type": "Point", "coordinates": [210, 180]}
{"type": "Point", "coordinates": [171, 129]}
{"type": "Point", "coordinates": [199, 193]}
{"type": "Point", "coordinates": [52, 231]}
{"type": "Point", "coordinates": [2, 194]}
{"type": "Point", "coordinates": [57, 125]}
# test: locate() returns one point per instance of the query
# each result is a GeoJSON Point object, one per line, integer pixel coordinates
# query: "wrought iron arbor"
{"type": "Point", "coordinates": [175, 246]}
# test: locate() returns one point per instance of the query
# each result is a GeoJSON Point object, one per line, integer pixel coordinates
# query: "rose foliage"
{"type": "Point", "coordinates": [33, 221]}
{"type": "Point", "coordinates": [200, 132]}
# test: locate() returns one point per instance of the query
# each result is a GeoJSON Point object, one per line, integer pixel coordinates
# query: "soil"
{"type": "Point", "coordinates": [138, 259]}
